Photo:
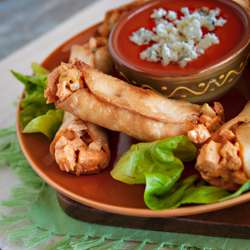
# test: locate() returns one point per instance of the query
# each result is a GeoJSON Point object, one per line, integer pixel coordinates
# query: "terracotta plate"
{"type": "Point", "coordinates": [102, 191]}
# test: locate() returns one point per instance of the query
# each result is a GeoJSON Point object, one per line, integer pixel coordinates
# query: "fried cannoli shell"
{"type": "Point", "coordinates": [85, 105]}
{"type": "Point", "coordinates": [83, 54]}
{"type": "Point", "coordinates": [112, 16]}
{"type": "Point", "coordinates": [95, 53]}
{"type": "Point", "coordinates": [116, 105]}
{"type": "Point", "coordinates": [241, 126]}
{"type": "Point", "coordinates": [135, 99]}
{"type": "Point", "coordinates": [242, 117]}
{"type": "Point", "coordinates": [95, 161]}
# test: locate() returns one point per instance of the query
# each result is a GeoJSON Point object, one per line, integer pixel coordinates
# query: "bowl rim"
{"type": "Point", "coordinates": [220, 62]}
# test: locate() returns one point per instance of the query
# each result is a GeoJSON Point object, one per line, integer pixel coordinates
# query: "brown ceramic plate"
{"type": "Point", "coordinates": [102, 191]}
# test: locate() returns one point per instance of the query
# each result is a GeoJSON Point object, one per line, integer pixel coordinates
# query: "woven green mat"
{"type": "Point", "coordinates": [44, 217]}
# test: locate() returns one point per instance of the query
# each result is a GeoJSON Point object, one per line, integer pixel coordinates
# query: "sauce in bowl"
{"type": "Point", "coordinates": [230, 37]}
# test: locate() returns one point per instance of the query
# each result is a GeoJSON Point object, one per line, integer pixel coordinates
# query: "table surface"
{"type": "Point", "coordinates": [30, 30]}
{"type": "Point", "coordinates": [31, 19]}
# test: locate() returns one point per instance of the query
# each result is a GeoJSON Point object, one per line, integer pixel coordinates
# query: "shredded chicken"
{"type": "Point", "coordinates": [77, 126]}
{"type": "Point", "coordinates": [199, 134]}
{"type": "Point", "coordinates": [220, 164]}
{"type": "Point", "coordinates": [210, 123]}
{"type": "Point", "coordinates": [227, 135]}
{"type": "Point", "coordinates": [68, 82]}
{"type": "Point", "coordinates": [63, 82]}
{"type": "Point", "coordinates": [230, 157]}
{"type": "Point", "coordinates": [65, 154]}
{"type": "Point", "coordinates": [77, 153]}
{"type": "Point", "coordinates": [207, 125]}
{"type": "Point", "coordinates": [209, 157]}
{"type": "Point", "coordinates": [62, 91]}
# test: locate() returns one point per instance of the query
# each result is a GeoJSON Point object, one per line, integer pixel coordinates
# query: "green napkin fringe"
{"type": "Point", "coordinates": [30, 234]}
{"type": "Point", "coordinates": [19, 233]}
{"type": "Point", "coordinates": [9, 219]}
{"type": "Point", "coordinates": [12, 156]}
{"type": "Point", "coordinates": [14, 203]}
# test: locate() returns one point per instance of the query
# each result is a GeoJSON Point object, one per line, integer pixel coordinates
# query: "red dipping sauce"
{"type": "Point", "coordinates": [229, 37]}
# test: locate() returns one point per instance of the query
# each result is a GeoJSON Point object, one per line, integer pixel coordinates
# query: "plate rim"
{"type": "Point", "coordinates": [140, 212]}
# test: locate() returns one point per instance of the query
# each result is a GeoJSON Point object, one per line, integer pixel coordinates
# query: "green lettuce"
{"type": "Point", "coordinates": [36, 115]}
{"type": "Point", "coordinates": [159, 166]}
{"type": "Point", "coordinates": [48, 124]}
{"type": "Point", "coordinates": [188, 192]}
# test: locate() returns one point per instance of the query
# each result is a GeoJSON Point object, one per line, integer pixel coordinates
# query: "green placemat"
{"type": "Point", "coordinates": [45, 218]}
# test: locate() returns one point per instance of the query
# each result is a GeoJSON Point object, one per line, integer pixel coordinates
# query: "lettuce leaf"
{"type": "Point", "coordinates": [159, 166]}
{"type": "Point", "coordinates": [34, 104]}
{"type": "Point", "coordinates": [185, 191]}
{"type": "Point", "coordinates": [188, 192]}
{"type": "Point", "coordinates": [47, 124]}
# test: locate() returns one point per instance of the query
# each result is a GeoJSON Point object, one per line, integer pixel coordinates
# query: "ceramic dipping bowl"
{"type": "Point", "coordinates": [204, 79]}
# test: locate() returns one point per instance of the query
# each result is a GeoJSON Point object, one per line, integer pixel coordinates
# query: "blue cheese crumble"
{"type": "Point", "coordinates": [178, 40]}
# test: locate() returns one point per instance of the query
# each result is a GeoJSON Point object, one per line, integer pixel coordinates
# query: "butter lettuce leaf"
{"type": "Point", "coordinates": [186, 191]}
{"type": "Point", "coordinates": [159, 165]}
{"type": "Point", "coordinates": [161, 157]}
{"type": "Point", "coordinates": [200, 193]}
{"type": "Point", "coordinates": [34, 104]}
{"type": "Point", "coordinates": [48, 124]}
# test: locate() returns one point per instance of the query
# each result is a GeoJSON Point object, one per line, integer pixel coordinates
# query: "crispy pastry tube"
{"type": "Point", "coordinates": [116, 105]}
{"type": "Point", "coordinates": [80, 147]}
{"type": "Point", "coordinates": [112, 16]}
{"type": "Point", "coordinates": [224, 161]}
{"type": "Point", "coordinates": [95, 53]}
